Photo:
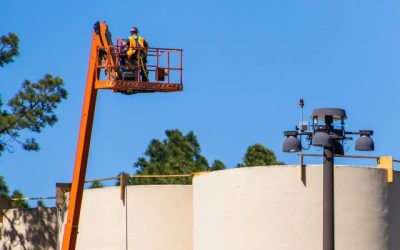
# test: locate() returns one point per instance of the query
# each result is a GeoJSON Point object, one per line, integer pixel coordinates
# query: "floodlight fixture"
{"type": "Point", "coordinates": [291, 143]}
{"type": "Point", "coordinates": [321, 139]}
{"type": "Point", "coordinates": [335, 113]}
{"type": "Point", "coordinates": [327, 133]}
{"type": "Point", "coordinates": [365, 142]}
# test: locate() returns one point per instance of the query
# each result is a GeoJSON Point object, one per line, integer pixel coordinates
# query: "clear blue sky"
{"type": "Point", "coordinates": [246, 65]}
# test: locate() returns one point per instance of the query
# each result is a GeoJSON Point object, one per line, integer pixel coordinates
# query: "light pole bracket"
{"type": "Point", "coordinates": [302, 167]}
{"type": "Point", "coordinates": [386, 162]}
{"type": "Point", "coordinates": [123, 179]}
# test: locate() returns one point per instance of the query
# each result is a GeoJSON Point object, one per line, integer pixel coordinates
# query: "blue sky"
{"type": "Point", "coordinates": [246, 65]}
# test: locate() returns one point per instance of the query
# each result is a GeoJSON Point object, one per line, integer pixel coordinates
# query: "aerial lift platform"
{"type": "Point", "coordinates": [165, 75]}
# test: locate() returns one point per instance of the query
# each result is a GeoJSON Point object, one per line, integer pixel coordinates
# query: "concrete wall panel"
{"type": "Point", "coordinates": [31, 228]}
{"type": "Point", "coordinates": [361, 208]}
{"type": "Point", "coordinates": [153, 218]}
{"type": "Point", "coordinates": [394, 212]}
{"type": "Point", "coordinates": [257, 208]}
{"type": "Point", "coordinates": [271, 208]}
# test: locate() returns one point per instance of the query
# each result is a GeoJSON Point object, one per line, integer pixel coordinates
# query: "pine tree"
{"type": "Point", "coordinates": [33, 106]}
{"type": "Point", "coordinates": [259, 155]}
{"type": "Point", "coordinates": [40, 203]}
{"type": "Point", "coordinates": [4, 191]}
{"type": "Point", "coordinates": [17, 194]}
{"type": "Point", "coordinates": [8, 48]}
{"type": "Point", "coordinates": [177, 154]}
{"type": "Point", "coordinates": [96, 184]}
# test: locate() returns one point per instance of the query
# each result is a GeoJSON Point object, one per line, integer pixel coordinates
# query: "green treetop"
{"type": "Point", "coordinates": [4, 191]}
{"type": "Point", "coordinates": [8, 48]}
{"type": "Point", "coordinates": [18, 203]}
{"type": "Point", "coordinates": [259, 155]}
{"type": "Point", "coordinates": [96, 184]}
{"type": "Point", "coordinates": [40, 203]}
{"type": "Point", "coordinates": [177, 154]}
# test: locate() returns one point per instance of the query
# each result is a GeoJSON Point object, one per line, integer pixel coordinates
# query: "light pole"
{"type": "Point", "coordinates": [330, 138]}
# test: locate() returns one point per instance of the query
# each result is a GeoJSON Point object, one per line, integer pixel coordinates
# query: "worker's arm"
{"type": "Point", "coordinates": [124, 44]}
{"type": "Point", "coordinates": [146, 47]}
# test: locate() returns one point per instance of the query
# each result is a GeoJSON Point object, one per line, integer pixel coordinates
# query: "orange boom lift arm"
{"type": "Point", "coordinates": [104, 56]}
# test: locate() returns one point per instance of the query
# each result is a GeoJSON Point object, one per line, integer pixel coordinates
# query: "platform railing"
{"type": "Point", "coordinates": [164, 65]}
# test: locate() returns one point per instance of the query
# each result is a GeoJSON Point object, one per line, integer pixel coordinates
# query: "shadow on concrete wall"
{"type": "Point", "coordinates": [29, 229]}
{"type": "Point", "coordinates": [394, 208]}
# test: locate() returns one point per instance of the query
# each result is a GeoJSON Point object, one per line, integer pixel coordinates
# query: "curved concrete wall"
{"type": "Point", "coordinates": [153, 218]}
{"type": "Point", "coordinates": [247, 208]}
{"type": "Point", "coordinates": [271, 208]}
{"type": "Point", "coordinates": [29, 228]}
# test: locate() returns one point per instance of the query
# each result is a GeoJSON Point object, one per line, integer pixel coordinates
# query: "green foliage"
{"type": "Point", "coordinates": [8, 48]}
{"type": "Point", "coordinates": [259, 155]}
{"type": "Point", "coordinates": [40, 203]}
{"type": "Point", "coordinates": [4, 191]}
{"type": "Point", "coordinates": [18, 203]}
{"type": "Point", "coordinates": [96, 184]}
{"type": "Point", "coordinates": [32, 109]}
{"type": "Point", "coordinates": [217, 165]}
{"type": "Point", "coordinates": [178, 154]}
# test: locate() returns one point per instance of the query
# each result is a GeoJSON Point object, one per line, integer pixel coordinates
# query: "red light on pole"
{"type": "Point", "coordinates": [301, 103]}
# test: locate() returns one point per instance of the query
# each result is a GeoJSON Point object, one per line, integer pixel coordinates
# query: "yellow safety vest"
{"type": "Point", "coordinates": [133, 45]}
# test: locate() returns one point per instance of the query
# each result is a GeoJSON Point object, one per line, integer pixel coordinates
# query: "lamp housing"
{"type": "Point", "coordinates": [292, 143]}
{"type": "Point", "coordinates": [321, 139]}
{"type": "Point", "coordinates": [365, 142]}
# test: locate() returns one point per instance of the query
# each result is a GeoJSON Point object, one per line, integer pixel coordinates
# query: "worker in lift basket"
{"type": "Point", "coordinates": [137, 52]}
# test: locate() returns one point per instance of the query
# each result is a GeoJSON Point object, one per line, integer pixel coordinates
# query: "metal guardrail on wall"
{"type": "Point", "coordinates": [383, 162]}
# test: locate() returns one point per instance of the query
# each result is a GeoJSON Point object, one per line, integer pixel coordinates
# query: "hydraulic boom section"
{"type": "Point", "coordinates": [165, 75]}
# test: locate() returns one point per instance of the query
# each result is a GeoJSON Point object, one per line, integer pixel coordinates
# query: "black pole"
{"type": "Point", "coordinates": [328, 200]}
